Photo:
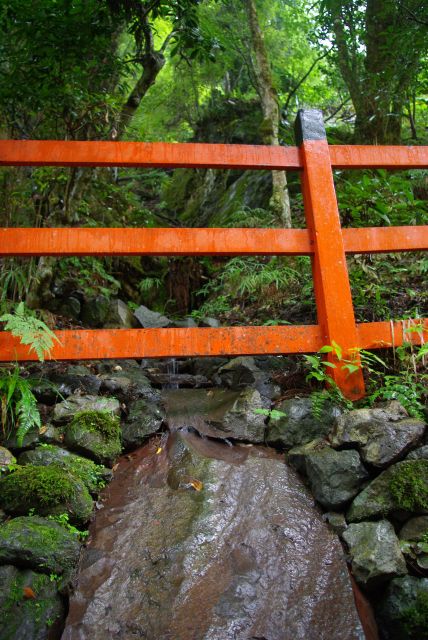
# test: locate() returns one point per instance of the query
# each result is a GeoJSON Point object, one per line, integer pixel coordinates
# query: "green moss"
{"type": "Point", "coordinates": [99, 421]}
{"type": "Point", "coordinates": [409, 485]}
{"type": "Point", "coordinates": [415, 618]}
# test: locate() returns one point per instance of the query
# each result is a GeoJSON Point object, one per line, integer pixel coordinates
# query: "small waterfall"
{"type": "Point", "coordinates": [171, 369]}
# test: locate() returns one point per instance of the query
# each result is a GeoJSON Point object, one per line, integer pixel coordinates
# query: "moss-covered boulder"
{"type": "Point", "coordinates": [93, 475]}
{"type": "Point", "coordinates": [403, 487]}
{"type": "Point", "coordinates": [144, 419]}
{"type": "Point", "coordinates": [402, 613]}
{"type": "Point", "coordinates": [95, 434]}
{"type": "Point", "coordinates": [65, 411]}
{"type": "Point", "coordinates": [39, 544]}
{"type": "Point", "coordinates": [46, 490]}
{"type": "Point", "coordinates": [30, 606]}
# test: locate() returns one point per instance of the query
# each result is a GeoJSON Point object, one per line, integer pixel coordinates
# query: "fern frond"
{"type": "Point", "coordinates": [27, 414]}
{"type": "Point", "coordinates": [30, 330]}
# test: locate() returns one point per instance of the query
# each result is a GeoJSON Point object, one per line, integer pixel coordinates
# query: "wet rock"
{"type": "Point", "coordinates": [30, 439]}
{"type": "Point", "coordinates": [30, 618]}
{"type": "Point", "coordinates": [242, 372]}
{"type": "Point", "coordinates": [297, 456]}
{"type": "Point", "coordinates": [94, 311]}
{"type": "Point", "coordinates": [175, 380]}
{"type": "Point", "coordinates": [219, 413]}
{"type": "Point", "coordinates": [151, 319]}
{"type": "Point", "coordinates": [47, 392]}
{"type": "Point", "coordinates": [184, 323]}
{"type": "Point", "coordinates": [300, 425]}
{"type": "Point", "coordinates": [76, 378]}
{"type": "Point", "coordinates": [69, 307]}
{"type": "Point", "coordinates": [91, 474]}
{"type": "Point", "coordinates": [335, 477]}
{"type": "Point", "coordinates": [225, 550]}
{"type": "Point", "coordinates": [402, 613]}
{"type": "Point", "coordinates": [6, 458]}
{"type": "Point", "coordinates": [95, 434]}
{"type": "Point", "coordinates": [119, 316]}
{"type": "Point", "coordinates": [127, 383]}
{"type": "Point", "coordinates": [46, 490]}
{"type": "Point", "coordinates": [402, 488]}
{"type": "Point", "coordinates": [144, 419]}
{"type": "Point", "coordinates": [382, 435]}
{"type": "Point", "coordinates": [51, 435]}
{"type": "Point", "coordinates": [39, 544]}
{"type": "Point", "coordinates": [336, 521]}
{"type": "Point", "coordinates": [65, 411]}
{"type": "Point", "coordinates": [208, 366]}
{"type": "Point", "coordinates": [414, 529]}
{"type": "Point", "coordinates": [419, 454]}
{"type": "Point", "coordinates": [375, 552]}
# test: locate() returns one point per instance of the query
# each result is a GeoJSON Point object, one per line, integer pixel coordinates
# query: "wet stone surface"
{"type": "Point", "coordinates": [198, 540]}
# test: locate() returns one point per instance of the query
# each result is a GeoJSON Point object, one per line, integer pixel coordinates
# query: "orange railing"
{"type": "Point", "coordinates": [324, 240]}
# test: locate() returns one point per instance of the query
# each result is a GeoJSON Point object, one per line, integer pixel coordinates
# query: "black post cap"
{"type": "Point", "coordinates": [309, 125]}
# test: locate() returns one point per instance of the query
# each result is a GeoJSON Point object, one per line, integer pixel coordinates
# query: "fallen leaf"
{"type": "Point", "coordinates": [197, 485]}
{"type": "Point", "coordinates": [115, 466]}
{"type": "Point", "coordinates": [158, 450]}
{"type": "Point", "coordinates": [28, 593]}
{"type": "Point", "coordinates": [43, 429]}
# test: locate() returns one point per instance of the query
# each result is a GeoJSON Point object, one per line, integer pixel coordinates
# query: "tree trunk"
{"type": "Point", "coordinates": [280, 201]}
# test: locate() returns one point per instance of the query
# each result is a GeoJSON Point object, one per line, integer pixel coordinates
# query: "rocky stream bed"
{"type": "Point", "coordinates": [204, 529]}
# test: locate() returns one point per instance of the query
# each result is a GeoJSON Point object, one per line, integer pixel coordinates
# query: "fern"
{"type": "Point", "coordinates": [30, 330]}
{"type": "Point", "coordinates": [27, 414]}
{"type": "Point", "coordinates": [18, 405]}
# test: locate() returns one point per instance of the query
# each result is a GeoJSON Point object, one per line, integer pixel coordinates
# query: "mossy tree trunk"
{"type": "Point", "coordinates": [280, 200]}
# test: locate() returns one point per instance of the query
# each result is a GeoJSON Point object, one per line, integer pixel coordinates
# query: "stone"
{"type": "Point", "coordinates": [30, 439]}
{"type": "Point", "coordinates": [212, 323]}
{"type": "Point", "coordinates": [218, 413]}
{"type": "Point", "coordinates": [414, 529]}
{"type": "Point", "coordinates": [77, 378]}
{"type": "Point", "coordinates": [119, 316]}
{"type": "Point", "coordinates": [402, 612]}
{"type": "Point", "coordinates": [297, 456]}
{"type": "Point", "coordinates": [382, 435]}
{"type": "Point", "coordinates": [46, 490]}
{"type": "Point", "coordinates": [242, 372]}
{"type": "Point", "coordinates": [184, 323]}
{"type": "Point", "coordinates": [336, 521]}
{"type": "Point", "coordinates": [95, 434]}
{"type": "Point", "coordinates": [208, 366]}
{"type": "Point", "coordinates": [177, 380]}
{"type": "Point", "coordinates": [335, 477]}
{"type": "Point", "coordinates": [29, 618]}
{"type": "Point", "coordinates": [421, 453]}
{"type": "Point", "coordinates": [51, 435]}
{"type": "Point", "coordinates": [6, 459]}
{"type": "Point", "coordinates": [92, 475]}
{"type": "Point", "coordinates": [400, 489]}
{"type": "Point", "coordinates": [144, 419]}
{"type": "Point", "coordinates": [300, 425]}
{"type": "Point", "coordinates": [70, 307]}
{"type": "Point", "coordinates": [375, 552]}
{"type": "Point", "coordinates": [47, 392]}
{"type": "Point", "coordinates": [151, 319]}
{"type": "Point", "coordinates": [94, 311]}
{"type": "Point", "coordinates": [230, 557]}
{"type": "Point", "coordinates": [41, 545]}
{"type": "Point", "coordinates": [65, 411]}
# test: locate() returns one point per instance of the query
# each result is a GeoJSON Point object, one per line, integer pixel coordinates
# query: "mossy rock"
{"type": "Point", "coordinates": [6, 459]}
{"type": "Point", "coordinates": [93, 475]}
{"type": "Point", "coordinates": [403, 487]}
{"type": "Point", "coordinates": [402, 613]}
{"type": "Point", "coordinates": [24, 616]}
{"type": "Point", "coordinates": [46, 490]}
{"type": "Point", "coordinates": [39, 544]}
{"type": "Point", "coordinates": [95, 434]}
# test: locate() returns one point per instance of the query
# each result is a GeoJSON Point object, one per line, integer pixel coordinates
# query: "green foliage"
{"type": "Point", "coordinates": [415, 618]}
{"type": "Point", "coordinates": [402, 387]}
{"type": "Point", "coordinates": [409, 485]}
{"type": "Point", "coordinates": [64, 520]}
{"type": "Point", "coordinates": [272, 414]}
{"type": "Point", "coordinates": [89, 274]}
{"type": "Point", "coordinates": [30, 330]}
{"type": "Point", "coordinates": [18, 405]}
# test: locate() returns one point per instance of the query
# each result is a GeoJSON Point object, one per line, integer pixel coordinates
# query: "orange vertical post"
{"type": "Point", "coordinates": [330, 273]}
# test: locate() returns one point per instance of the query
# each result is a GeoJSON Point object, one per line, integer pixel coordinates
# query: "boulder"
{"type": "Point", "coordinates": [336, 520]}
{"type": "Point", "coordinates": [206, 546]}
{"type": "Point", "coordinates": [119, 316]}
{"type": "Point", "coordinates": [299, 425]}
{"type": "Point", "coordinates": [335, 477]}
{"type": "Point", "coordinates": [414, 537]}
{"type": "Point", "coordinates": [144, 419]}
{"type": "Point", "coordinates": [30, 439]}
{"type": "Point", "coordinates": [92, 475]}
{"type": "Point", "coordinates": [298, 455]}
{"type": "Point", "coordinates": [30, 606]}
{"type": "Point", "coordinates": [242, 372]}
{"type": "Point", "coordinates": [402, 488]}
{"type": "Point", "coordinates": [421, 453]}
{"type": "Point", "coordinates": [151, 319]}
{"type": "Point", "coordinates": [65, 411]}
{"type": "Point", "coordinates": [39, 544]}
{"type": "Point", "coordinates": [208, 366]}
{"type": "Point", "coordinates": [414, 529]}
{"type": "Point", "coordinates": [6, 459]}
{"type": "Point", "coordinates": [375, 552]}
{"type": "Point", "coordinates": [77, 378]}
{"type": "Point", "coordinates": [212, 323]}
{"type": "Point", "coordinates": [94, 311]}
{"type": "Point", "coordinates": [184, 323]}
{"type": "Point", "coordinates": [382, 435]}
{"type": "Point", "coordinates": [46, 490]}
{"type": "Point", "coordinates": [95, 434]}
{"type": "Point", "coordinates": [402, 612]}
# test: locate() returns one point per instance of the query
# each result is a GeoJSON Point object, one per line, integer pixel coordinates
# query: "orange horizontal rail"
{"type": "Point", "coordinates": [176, 242]}
{"type": "Point", "coordinates": [97, 344]}
{"type": "Point", "coordinates": [147, 154]}
{"type": "Point", "coordinates": [200, 155]}
{"type": "Point", "coordinates": [378, 157]}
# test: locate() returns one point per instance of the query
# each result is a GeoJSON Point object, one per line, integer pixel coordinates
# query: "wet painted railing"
{"type": "Point", "coordinates": [324, 240]}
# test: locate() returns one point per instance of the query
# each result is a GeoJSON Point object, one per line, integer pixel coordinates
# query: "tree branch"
{"type": "Point", "coordinates": [303, 78]}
